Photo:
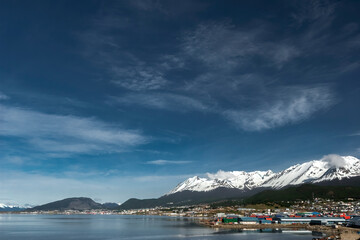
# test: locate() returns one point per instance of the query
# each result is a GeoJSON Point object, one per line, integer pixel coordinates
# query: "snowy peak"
{"type": "Point", "coordinates": [233, 179]}
{"type": "Point", "coordinates": [11, 207]}
{"type": "Point", "coordinates": [201, 184]}
{"type": "Point", "coordinates": [328, 168]}
{"type": "Point", "coordinates": [348, 167]}
{"type": "Point", "coordinates": [297, 174]}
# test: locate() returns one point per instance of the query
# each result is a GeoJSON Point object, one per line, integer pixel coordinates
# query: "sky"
{"type": "Point", "coordinates": [120, 99]}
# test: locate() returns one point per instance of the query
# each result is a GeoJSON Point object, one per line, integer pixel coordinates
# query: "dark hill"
{"type": "Point", "coordinates": [110, 205]}
{"type": "Point", "coordinates": [188, 198]}
{"type": "Point", "coordinates": [77, 203]}
{"type": "Point", "coordinates": [305, 192]}
{"type": "Point", "coordinates": [354, 181]}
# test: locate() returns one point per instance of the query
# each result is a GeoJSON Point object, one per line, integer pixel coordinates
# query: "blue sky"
{"type": "Point", "coordinates": [120, 99]}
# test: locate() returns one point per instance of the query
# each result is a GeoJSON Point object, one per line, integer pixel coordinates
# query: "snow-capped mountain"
{"type": "Point", "coordinates": [12, 207]}
{"type": "Point", "coordinates": [328, 168]}
{"type": "Point", "coordinates": [234, 179]}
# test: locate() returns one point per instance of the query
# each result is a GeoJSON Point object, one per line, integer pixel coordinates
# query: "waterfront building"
{"type": "Point", "coordinates": [307, 220]}
{"type": "Point", "coordinates": [249, 220]}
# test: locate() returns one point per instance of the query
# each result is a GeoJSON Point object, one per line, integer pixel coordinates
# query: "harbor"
{"type": "Point", "coordinates": [334, 228]}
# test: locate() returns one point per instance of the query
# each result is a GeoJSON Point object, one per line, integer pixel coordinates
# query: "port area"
{"type": "Point", "coordinates": [332, 232]}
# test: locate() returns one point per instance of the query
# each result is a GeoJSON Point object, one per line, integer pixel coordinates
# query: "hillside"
{"type": "Point", "coordinates": [77, 203]}
{"type": "Point", "coordinates": [305, 192]}
{"type": "Point", "coordinates": [187, 198]}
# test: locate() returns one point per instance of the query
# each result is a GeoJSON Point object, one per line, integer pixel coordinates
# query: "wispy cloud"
{"type": "Point", "coordinates": [353, 134]}
{"type": "Point", "coordinates": [230, 69]}
{"type": "Point", "coordinates": [3, 96]}
{"type": "Point", "coordinates": [158, 178]}
{"type": "Point", "coordinates": [164, 101]}
{"type": "Point", "coordinates": [224, 46]}
{"type": "Point", "coordinates": [107, 49]}
{"type": "Point", "coordinates": [58, 133]}
{"type": "Point", "coordinates": [167, 162]}
{"type": "Point", "coordinates": [16, 160]}
{"type": "Point", "coordinates": [313, 10]}
{"type": "Point", "coordinates": [291, 105]}
{"type": "Point", "coordinates": [137, 75]}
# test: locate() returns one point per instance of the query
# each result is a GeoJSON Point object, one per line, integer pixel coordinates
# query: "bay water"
{"type": "Point", "coordinates": [113, 227]}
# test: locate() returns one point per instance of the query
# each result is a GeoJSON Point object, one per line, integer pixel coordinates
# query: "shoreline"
{"type": "Point", "coordinates": [341, 232]}
{"type": "Point", "coordinates": [338, 232]}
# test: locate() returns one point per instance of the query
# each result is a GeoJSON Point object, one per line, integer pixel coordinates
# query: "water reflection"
{"type": "Point", "coordinates": [112, 227]}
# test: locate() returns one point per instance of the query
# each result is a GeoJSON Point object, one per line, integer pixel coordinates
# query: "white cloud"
{"type": "Point", "coordinates": [220, 175]}
{"type": "Point", "coordinates": [166, 101]}
{"type": "Point", "coordinates": [167, 162]}
{"type": "Point", "coordinates": [291, 105]}
{"type": "Point", "coordinates": [58, 133]}
{"type": "Point", "coordinates": [334, 160]}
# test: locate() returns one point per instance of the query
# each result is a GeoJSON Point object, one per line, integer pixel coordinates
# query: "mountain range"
{"type": "Point", "coordinates": [240, 184]}
{"type": "Point", "coordinates": [11, 207]}
{"type": "Point", "coordinates": [75, 203]}
{"type": "Point", "coordinates": [329, 168]}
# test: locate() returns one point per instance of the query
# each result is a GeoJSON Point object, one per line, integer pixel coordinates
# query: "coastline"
{"type": "Point", "coordinates": [338, 232]}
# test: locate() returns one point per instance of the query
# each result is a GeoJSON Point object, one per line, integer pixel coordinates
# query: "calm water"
{"type": "Point", "coordinates": [98, 227]}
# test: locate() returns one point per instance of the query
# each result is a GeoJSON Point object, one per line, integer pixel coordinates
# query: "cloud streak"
{"type": "Point", "coordinates": [167, 162]}
{"type": "Point", "coordinates": [230, 69]}
{"type": "Point", "coordinates": [163, 101]}
{"type": "Point", "coordinates": [58, 133]}
{"type": "Point", "coordinates": [291, 105]}
{"type": "Point", "coordinates": [223, 46]}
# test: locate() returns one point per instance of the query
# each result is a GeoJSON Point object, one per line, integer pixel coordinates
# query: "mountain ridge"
{"type": "Point", "coordinates": [329, 168]}
{"type": "Point", "coordinates": [12, 207]}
